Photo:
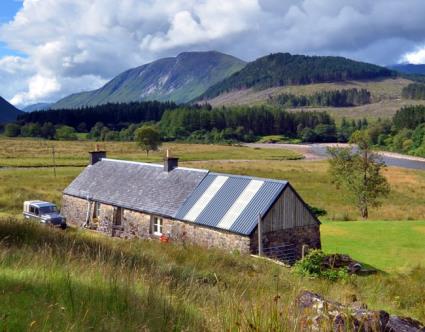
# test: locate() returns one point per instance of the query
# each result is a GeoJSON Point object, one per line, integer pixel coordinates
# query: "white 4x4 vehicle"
{"type": "Point", "coordinates": [44, 212]}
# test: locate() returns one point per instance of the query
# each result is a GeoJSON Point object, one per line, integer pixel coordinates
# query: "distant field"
{"type": "Point", "coordinates": [32, 152]}
{"type": "Point", "coordinates": [310, 178]}
{"type": "Point", "coordinates": [407, 199]}
{"type": "Point", "coordinates": [382, 109]}
{"type": "Point", "coordinates": [386, 245]}
{"type": "Point", "coordinates": [386, 97]}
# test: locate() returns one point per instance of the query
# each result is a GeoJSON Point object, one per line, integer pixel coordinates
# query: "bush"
{"type": "Point", "coordinates": [318, 212]}
{"type": "Point", "coordinates": [12, 130]}
{"type": "Point", "coordinates": [66, 133]}
{"type": "Point", "coordinates": [312, 266]}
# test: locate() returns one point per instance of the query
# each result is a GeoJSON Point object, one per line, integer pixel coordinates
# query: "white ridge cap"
{"type": "Point", "coordinates": [154, 164]}
{"type": "Point", "coordinates": [132, 162]}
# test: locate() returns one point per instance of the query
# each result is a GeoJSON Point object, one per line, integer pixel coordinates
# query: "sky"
{"type": "Point", "coordinates": [52, 48]}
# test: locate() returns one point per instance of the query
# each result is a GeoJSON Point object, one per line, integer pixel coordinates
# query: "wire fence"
{"type": "Point", "coordinates": [285, 253]}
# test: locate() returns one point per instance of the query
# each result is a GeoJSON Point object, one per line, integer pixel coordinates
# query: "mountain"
{"type": "Point", "coordinates": [8, 112]}
{"type": "Point", "coordinates": [36, 107]}
{"type": "Point", "coordinates": [179, 79]}
{"type": "Point", "coordinates": [408, 68]}
{"type": "Point", "coordinates": [283, 69]}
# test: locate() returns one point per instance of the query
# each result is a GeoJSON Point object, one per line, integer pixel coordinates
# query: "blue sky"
{"type": "Point", "coordinates": [59, 47]}
{"type": "Point", "coordinates": [8, 9]}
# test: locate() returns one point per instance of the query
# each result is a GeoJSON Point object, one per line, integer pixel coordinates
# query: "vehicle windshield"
{"type": "Point", "coordinates": [48, 209]}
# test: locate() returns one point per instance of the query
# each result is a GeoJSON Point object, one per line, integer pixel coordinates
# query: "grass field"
{"type": "Point", "coordinates": [35, 153]}
{"type": "Point", "coordinates": [52, 280]}
{"type": "Point", "coordinates": [387, 245]}
{"type": "Point", "coordinates": [406, 201]}
{"type": "Point", "coordinates": [78, 280]}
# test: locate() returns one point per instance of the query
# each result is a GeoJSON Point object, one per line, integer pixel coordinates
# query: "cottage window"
{"type": "Point", "coordinates": [157, 226]}
{"type": "Point", "coordinates": [96, 211]}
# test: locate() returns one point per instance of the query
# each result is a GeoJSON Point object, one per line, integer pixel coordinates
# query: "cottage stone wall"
{"type": "Point", "coordinates": [74, 210]}
{"type": "Point", "coordinates": [299, 236]}
{"type": "Point", "coordinates": [138, 225]}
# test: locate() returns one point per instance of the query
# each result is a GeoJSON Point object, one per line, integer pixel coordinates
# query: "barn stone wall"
{"type": "Point", "coordinates": [299, 236]}
{"type": "Point", "coordinates": [138, 225]}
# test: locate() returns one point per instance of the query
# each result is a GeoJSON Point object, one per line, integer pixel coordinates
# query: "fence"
{"type": "Point", "coordinates": [285, 253]}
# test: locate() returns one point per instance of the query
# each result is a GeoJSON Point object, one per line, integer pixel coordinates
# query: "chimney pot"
{"type": "Point", "coordinates": [95, 156]}
{"type": "Point", "coordinates": [170, 163]}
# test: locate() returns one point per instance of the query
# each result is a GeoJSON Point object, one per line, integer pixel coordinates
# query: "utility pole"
{"type": "Point", "coordinates": [54, 160]}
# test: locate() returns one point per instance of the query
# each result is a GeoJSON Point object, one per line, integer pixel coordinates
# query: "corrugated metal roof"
{"type": "Point", "coordinates": [137, 186]}
{"type": "Point", "coordinates": [244, 209]}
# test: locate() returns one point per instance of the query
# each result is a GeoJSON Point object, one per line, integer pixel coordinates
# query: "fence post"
{"type": "Point", "coordinates": [260, 237]}
{"type": "Point", "coordinates": [304, 250]}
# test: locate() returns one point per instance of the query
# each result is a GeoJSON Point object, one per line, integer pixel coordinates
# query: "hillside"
{"type": "Point", "coordinates": [408, 68]}
{"type": "Point", "coordinates": [386, 97]}
{"type": "Point", "coordinates": [177, 79]}
{"type": "Point", "coordinates": [36, 107]}
{"type": "Point", "coordinates": [8, 112]}
{"type": "Point", "coordinates": [283, 69]}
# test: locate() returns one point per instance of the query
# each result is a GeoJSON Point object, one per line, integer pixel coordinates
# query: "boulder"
{"type": "Point", "coordinates": [318, 314]}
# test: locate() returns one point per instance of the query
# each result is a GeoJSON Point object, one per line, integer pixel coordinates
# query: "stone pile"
{"type": "Point", "coordinates": [318, 314]}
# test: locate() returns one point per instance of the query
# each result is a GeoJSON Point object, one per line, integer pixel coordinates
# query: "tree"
{"type": "Point", "coordinates": [66, 133]}
{"type": "Point", "coordinates": [12, 130]}
{"type": "Point", "coordinates": [48, 130]}
{"type": "Point", "coordinates": [148, 138]}
{"type": "Point", "coordinates": [359, 172]}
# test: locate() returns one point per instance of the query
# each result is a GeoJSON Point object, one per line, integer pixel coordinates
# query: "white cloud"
{"type": "Point", "coordinates": [415, 57]}
{"type": "Point", "coordinates": [75, 45]}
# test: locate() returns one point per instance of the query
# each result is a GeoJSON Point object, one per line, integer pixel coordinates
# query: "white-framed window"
{"type": "Point", "coordinates": [157, 225]}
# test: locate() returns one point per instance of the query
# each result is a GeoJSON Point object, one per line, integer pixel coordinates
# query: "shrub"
{"type": "Point", "coordinates": [66, 133]}
{"type": "Point", "coordinates": [318, 212]}
{"type": "Point", "coordinates": [12, 130]}
{"type": "Point", "coordinates": [312, 266]}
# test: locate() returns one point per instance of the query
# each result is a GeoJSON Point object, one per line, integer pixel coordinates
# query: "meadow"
{"type": "Point", "coordinates": [78, 280]}
{"type": "Point", "coordinates": [39, 152]}
{"type": "Point", "coordinates": [54, 280]}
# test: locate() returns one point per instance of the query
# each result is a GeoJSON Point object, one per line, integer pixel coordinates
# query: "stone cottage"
{"type": "Point", "coordinates": [133, 199]}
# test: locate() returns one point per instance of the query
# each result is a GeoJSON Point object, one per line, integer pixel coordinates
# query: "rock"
{"type": "Point", "coordinates": [318, 314]}
{"type": "Point", "coordinates": [404, 324]}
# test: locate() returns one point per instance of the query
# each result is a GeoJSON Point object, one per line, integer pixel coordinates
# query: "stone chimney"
{"type": "Point", "coordinates": [170, 163]}
{"type": "Point", "coordinates": [97, 155]}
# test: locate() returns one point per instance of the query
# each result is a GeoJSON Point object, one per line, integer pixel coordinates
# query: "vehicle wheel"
{"type": "Point", "coordinates": [63, 226]}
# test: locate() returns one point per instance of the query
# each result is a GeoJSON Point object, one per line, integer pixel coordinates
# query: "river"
{"type": "Point", "coordinates": [318, 151]}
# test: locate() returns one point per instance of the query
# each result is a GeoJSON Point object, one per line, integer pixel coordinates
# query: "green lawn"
{"type": "Point", "coordinates": [386, 245]}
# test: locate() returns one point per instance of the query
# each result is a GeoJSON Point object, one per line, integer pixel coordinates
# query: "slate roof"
{"type": "Point", "coordinates": [223, 201]}
{"type": "Point", "coordinates": [136, 186]}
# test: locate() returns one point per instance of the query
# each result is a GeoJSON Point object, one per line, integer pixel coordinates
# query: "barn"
{"type": "Point", "coordinates": [247, 214]}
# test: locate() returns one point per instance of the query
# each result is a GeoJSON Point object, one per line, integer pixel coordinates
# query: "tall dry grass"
{"type": "Point", "coordinates": [77, 280]}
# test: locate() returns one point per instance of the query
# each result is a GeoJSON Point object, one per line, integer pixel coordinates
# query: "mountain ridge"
{"type": "Point", "coordinates": [8, 112]}
{"type": "Point", "coordinates": [409, 68]}
{"type": "Point", "coordinates": [179, 79]}
{"type": "Point", "coordinates": [281, 69]}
